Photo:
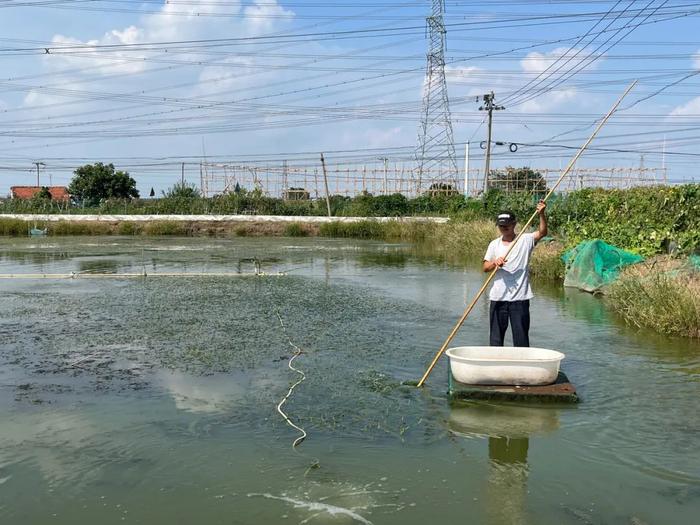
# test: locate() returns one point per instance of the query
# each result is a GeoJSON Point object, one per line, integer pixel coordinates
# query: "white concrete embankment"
{"type": "Point", "coordinates": [212, 218]}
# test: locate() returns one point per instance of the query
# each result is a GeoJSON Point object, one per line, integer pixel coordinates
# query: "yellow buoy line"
{"type": "Point", "coordinates": [297, 353]}
{"type": "Point", "coordinates": [82, 275]}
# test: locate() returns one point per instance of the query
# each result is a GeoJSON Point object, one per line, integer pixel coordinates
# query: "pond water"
{"type": "Point", "coordinates": [154, 400]}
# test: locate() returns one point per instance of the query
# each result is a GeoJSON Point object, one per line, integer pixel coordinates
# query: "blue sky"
{"type": "Point", "coordinates": [148, 85]}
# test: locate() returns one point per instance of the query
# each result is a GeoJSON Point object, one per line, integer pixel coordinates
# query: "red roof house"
{"type": "Point", "coordinates": [58, 193]}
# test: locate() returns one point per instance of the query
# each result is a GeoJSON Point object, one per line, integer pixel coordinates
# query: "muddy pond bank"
{"type": "Point", "coordinates": [154, 399]}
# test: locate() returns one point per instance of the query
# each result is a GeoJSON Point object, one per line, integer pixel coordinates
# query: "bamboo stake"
{"type": "Point", "coordinates": [527, 225]}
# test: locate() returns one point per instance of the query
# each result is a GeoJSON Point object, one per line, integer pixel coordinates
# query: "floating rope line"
{"type": "Point", "coordinates": [297, 353]}
{"type": "Point", "coordinates": [83, 275]}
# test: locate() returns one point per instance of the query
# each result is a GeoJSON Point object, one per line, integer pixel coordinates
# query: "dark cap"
{"type": "Point", "coordinates": [505, 217]}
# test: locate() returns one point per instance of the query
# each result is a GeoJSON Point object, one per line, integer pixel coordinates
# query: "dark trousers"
{"type": "Point", "coordinates": [518, 313]}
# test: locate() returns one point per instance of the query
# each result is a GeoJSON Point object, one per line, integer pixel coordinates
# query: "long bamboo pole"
{"type": "Point", "coordinates": [524, 228]}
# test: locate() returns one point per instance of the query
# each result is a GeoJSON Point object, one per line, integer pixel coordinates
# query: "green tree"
{"type": "Point", "coordinates": [95, 182]}
{"type": "Point", "coordinates": [518, 180]}
{"type": "Point", "coordinates": [182, 191]}
{"type": "Point", "coordinates": [41, 200]}
{"type": "Point", "coordinates": [42, 195]}
{"type": "Point", "coordinates": [442, 189]}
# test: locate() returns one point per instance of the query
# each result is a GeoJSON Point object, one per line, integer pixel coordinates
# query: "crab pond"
{"type": "Point", "coordinates": [142, 380]}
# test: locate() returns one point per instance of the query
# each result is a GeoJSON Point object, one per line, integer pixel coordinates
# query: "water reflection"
{"type": "Point", "coordinates": [508, 428]}
{"type": "Point", "coordinates": [584, 305]}
{"type": "Point", "coordinates": [99, 266]}
{"type": "Point", "coordinates": [395, 258]}
{"type": "Point", "coordinates": [219, 393]}
{"type": "Point", "coordinates": [34, 257]}
{"type": "Point", "coordinates": [203, 394]}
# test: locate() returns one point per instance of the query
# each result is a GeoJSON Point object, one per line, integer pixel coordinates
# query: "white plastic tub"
{"type": "Point", "coordinates": [504, 365]}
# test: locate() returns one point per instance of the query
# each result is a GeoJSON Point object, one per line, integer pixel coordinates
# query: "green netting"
{"type": "Point", "coordinates": [593, 264]}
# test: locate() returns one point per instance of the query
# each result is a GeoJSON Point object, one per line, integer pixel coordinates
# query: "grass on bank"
{"type": "Point", "coordinates": [665, 301]}
{"type": "Point", "coordinates": [295, 229]}
{"type": "Point", "coordinates": [455, 240]}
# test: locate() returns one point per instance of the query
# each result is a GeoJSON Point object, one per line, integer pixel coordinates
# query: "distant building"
{"type": "Point", "coordinates": [58, 193]}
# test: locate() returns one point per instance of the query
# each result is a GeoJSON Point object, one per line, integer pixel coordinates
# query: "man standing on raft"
{"type": "Point", "coordinates": [511, 292]}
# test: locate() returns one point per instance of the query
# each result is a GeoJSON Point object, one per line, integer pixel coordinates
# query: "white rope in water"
{"type": "Point", "coordinates": [297, 353]}
{"type": "Point", "coordinates": [80, 275]}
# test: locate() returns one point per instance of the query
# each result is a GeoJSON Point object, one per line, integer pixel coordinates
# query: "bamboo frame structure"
{"type": "Point", "coordinates": [524, 228]}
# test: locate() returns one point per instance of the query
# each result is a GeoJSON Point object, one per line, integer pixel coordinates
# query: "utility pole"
{"type": "Point", "coordinates": [386, 183]}
{"type": "Point", "coordinates": [466, 170]}
{"type": "Point", "coordinates": [182, 176]}
{"type": "Point", "coordinates": [201, 180]}
{"type": "Point", "coordinates": [37, 172]}
{"type": "Point", "coordinates": [285, 177]}
{"type": "Point", "coordinates": [490, 107]}
{"type": "Point", "coordinates": [325, 182]}
{"type": "Point", "coordinates": [663, 161]}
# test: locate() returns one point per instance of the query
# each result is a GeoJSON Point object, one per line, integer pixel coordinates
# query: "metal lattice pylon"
{"type": "Point", "coordinates": [436, 150]}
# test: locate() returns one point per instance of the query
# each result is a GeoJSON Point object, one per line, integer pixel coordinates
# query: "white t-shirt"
{"type": "Point", "coordinates": [512, 280]}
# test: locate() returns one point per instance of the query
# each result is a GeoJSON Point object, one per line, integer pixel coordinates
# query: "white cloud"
{"type": "Point", "coordinates": [378, 137]}
{"type": "Point", "coordinates": [691, 108]}
{"type": "Point", "coordinates": [177, 22]}
{"type": "Point", "coordinates": [561, 60]}
{"type": "Point", "coordinates": [549, 101]}
{"type": "Point", "coordinates": [263, 14]}
{"type": "Point", "coordinates": [222, 76]}
{"type": "Point", "coordinates": [174, 22]}
{"type": "Point", "coordinates": [473, 77]}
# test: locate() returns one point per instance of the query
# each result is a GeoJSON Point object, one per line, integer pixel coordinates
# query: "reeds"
{"type": "Point", "coordinates": [14, 227]}
{"type": "Point", "coordinates": [464, 239]}
{"type": "Point", "coordinates": [667, 302]}
{"type": "Point", "coordinates": [358, 230]}
{"type": "Point", "coordinates": [79, 228]}
{"type": "Point", "coordinates": [166, 228]}
{"type": "Point", "coordinates": [546, 261]}
{"type": "Point", "coordinates": [295, 229]}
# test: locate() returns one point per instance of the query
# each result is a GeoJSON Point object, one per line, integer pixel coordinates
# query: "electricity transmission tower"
{"type": "Point", "coordinates": [436, 151]}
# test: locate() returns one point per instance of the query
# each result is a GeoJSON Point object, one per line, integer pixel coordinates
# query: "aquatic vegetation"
{"type": "Point", "coordinates": [79, 228]}
{"type": "Point", "coordinates": [130, 228]}
{"type": "Point", "coordinates": [546, 261]}
{"type": "Point", "coordinates": [467, 239]}
{"type": "Point", "coordinates": [359, 230]}
{"type": "Point", "coordinates": [295, 229]}
{"type": "Point", "coordinates": [668, 302]}
{"type": "Point", "coordinates": [13, 227]}
{"type": "Point", "coordinates": [166, 228]}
